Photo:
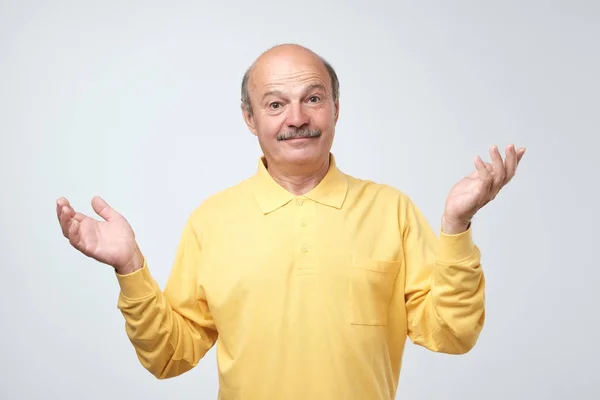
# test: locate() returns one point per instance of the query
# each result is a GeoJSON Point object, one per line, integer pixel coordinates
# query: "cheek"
{"type": "Point", "coordinates": [324, 119]}
{"type": "Point", "coordinates": [269, 127]}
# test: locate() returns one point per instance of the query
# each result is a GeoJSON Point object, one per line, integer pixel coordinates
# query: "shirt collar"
{"type": "Point", "coordinates": [331, 191]}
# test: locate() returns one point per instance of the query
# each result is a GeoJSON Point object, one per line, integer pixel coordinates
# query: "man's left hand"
{"type": "Point", "coordinates": [473, 192]}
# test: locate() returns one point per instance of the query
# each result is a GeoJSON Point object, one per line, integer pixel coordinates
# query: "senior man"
{"type": "Point", "coordinates": [311, 279]}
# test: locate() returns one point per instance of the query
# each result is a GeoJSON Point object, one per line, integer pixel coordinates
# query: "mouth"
{"type": "Point", "coordinates": [302, 138]}
{"type": "Point", "coordinates": [301, 141]}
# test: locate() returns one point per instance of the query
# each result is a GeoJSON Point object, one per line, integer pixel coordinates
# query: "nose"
{"type": "Point", "coordinates": [297, 116]}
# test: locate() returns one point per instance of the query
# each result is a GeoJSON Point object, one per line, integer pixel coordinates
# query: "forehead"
{"type": "Point", "coordinates": [288, 70]}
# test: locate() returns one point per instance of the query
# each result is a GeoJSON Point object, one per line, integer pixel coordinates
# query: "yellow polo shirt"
{"type": "Point", "coordinates": [310, 297]}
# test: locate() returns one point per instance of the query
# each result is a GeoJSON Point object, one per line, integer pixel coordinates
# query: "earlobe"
{"type": "Point", "coordinates": [249, 119]}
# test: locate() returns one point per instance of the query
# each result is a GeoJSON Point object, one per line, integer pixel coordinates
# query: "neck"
{"type": "Point", "coordinates": [299, 180]}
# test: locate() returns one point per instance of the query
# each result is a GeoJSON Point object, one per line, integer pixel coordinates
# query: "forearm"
{"type": "Point", "coordinates": [451, 314]}
{"type": "Point", "coordinates": [458, 291]}
{"type": "Point", "coordinates": [166, 343]}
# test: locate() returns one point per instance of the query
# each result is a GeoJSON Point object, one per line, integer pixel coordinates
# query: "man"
{"type": "Point", "coordinates": [311, 279]}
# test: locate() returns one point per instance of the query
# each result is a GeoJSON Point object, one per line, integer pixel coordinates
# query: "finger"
{"type": "Point", "coordinates": [484, 174]}
{"type": "Point", "coordinates": [102, 208]}
{"type": "Point", "coordinates": [489, 167]}
{"type": "Point", "coordinates": [65, 217]}
{"type": "Point", "coordinates": [61, 201]}
{"type": "Point", "coordinates": [58, 212]}
{"type": "Point", "coordinates": [73, 234]}
{"type": "Point", "coordinates": [520, 153]}
{"type": "Point", "coordinates": [79, 217]}
{"type": "Point", "coordinates": [475, 173]}
{"type": "Point", "coordinates": [499, 170]}
{"type": "Point", "coordinates": [511, 163]}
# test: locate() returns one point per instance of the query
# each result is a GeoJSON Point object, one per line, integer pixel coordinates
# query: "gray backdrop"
{"type": "Point", "coordinates": [139, 102]}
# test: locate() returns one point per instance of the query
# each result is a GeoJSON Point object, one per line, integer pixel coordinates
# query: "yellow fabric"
{"type": "Point", "coordinates": [311, 297]}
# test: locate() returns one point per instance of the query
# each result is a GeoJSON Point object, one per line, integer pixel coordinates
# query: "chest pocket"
{"type": "Point", "coordinates": [371, 286]}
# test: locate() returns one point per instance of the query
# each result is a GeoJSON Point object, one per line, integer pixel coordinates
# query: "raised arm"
{"type": "Point", "coordinates": [171, 330]}
{"type": "Point", "coordinates": [445, 285]}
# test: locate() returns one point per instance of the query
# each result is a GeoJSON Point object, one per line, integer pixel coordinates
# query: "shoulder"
{"type": "Point", "coordinates": [380, 199]}
{"type": "Point", "coordinates": [364, 190]}
{"type": "Point", "coordinates": [222, 203]}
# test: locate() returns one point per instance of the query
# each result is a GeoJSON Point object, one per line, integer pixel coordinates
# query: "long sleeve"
{"type": "Point", "coordinates": [444, 286]}
{"type": "Point", "coordinates": [171, 330]}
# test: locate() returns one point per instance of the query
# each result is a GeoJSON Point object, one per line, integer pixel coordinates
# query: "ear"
{"type": "Point", "coordinates": [249, 119]}
{"type": "Point", "coordinates": [336, 111]}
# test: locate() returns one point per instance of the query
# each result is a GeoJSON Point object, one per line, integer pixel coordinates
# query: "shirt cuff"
{"type": "Point", "coordinates": [456, 247]}
{"type": "Point", "coordinates": [138, 284]}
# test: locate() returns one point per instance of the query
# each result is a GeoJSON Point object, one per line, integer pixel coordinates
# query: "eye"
{"type": "Point", "coordinates": [314, 99]}
{"type": "Point", "coordinates": [275, 105]}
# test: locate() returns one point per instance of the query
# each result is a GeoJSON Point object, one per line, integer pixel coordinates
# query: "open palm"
{"type": "Point", "coordinates": [111, 241]}
{"type": "Point", "coordinates": [474, 191]}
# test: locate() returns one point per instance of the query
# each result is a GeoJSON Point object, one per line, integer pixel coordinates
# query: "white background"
{"type": "Point", "coordinates": [139, 102]}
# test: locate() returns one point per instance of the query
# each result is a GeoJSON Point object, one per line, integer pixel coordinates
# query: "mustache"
{"type": "Point", "coordinates": [299, 133]}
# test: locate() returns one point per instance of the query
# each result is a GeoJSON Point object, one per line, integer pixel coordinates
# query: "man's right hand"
{"type": "Point", "coordinates": [111, 241]}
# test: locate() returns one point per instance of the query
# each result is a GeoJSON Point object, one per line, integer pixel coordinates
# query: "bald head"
{"type": "Point", "coordinates": [284, 56]}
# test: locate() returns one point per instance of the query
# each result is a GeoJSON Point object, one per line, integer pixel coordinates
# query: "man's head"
{"type": "Point", "coordinates": [290, 101]}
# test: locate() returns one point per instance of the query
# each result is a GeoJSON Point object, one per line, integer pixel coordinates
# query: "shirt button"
{"type": "Point", "coordinates": [299, 202]}
{"type": "Point", "coordinates": [304, 249]}
{"type": "Point", "coordinates": [304, 223]}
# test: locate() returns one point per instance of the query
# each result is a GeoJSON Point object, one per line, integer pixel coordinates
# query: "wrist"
{"type": "Point", "coordinates": [135, 263]}
{"type": "Point", "coordinates": [453, 226]}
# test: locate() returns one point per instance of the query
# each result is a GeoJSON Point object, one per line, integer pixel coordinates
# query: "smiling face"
{"type": "Point", "coordinates": [293, 111]}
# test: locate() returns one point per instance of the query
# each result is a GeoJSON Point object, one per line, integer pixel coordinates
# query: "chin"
{"type": "Point", "coordinates": [302, 156]}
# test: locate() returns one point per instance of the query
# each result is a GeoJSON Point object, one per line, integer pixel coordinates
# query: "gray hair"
{"type": "Point", "coordinates": [335, 85]}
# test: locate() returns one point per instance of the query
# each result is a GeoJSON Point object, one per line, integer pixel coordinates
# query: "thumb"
{"type": "Point", "coordinates": [102, 208]}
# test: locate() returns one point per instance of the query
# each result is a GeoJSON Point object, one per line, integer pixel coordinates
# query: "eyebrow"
{"type": "Point", "coordinates": [309, 88]}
